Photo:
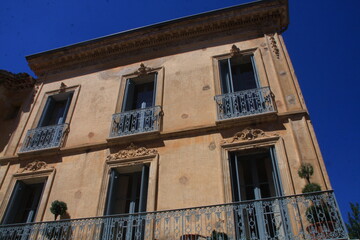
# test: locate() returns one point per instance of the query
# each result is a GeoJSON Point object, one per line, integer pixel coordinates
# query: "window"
{"type": "Point", "coordinates": [127, 194]}
{"type": "Point", "coordinates": [238, 74]}
{"type": "Point", "coordinates": [24, 202]}
{"type": "Point", "coordinates": [241, 91]}
{"type": "Point", "coordinates": [56, 109]}
{"type": "Point", "coordinates": [139, 92]}
{"type": "Point", "coordinates": [254, 176]}
{"type": "Point", "coordinates": [52, 121]}
{"type": "Point", "coordinates": [138, 111]}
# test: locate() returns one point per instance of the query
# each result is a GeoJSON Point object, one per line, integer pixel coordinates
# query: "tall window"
{"type": "Point", "coordinates": [140, 92]}
{"type": "Point", "coordinates": [254, 176]}
{"type": "Point", "coordinates": [24, 202]}
{"type": "Point", "coordinates": [127, 190]}
{"type": "Point", "coordinates": [56, 109]}
{"type": "Point", "coordinates": [238, 73]}
{"type": "Point", "coordinates": [127, 194]}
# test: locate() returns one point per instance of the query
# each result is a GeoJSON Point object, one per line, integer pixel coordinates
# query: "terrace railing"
{"type": "Point", "coordinates": [44, 138]}
{"type": "Point", "coordinates": [245, 103]}
{"type": "Point", "coordinates": [136, 121]}
{"type": "Point", "coordinates": [306, 216]}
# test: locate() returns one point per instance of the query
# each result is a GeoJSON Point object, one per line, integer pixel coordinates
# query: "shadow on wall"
{"type": "Point", "coordinates": [12, 104]}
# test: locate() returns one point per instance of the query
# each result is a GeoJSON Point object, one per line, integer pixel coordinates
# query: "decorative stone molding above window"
{"type": "Point", "coordinates": [143, 70]}
{"type": "Point", "coordinates": [132, 151]}
{"type": "Point", "coordinates": [234, 51]}
{"type": "Point", "coordinates": [247, 134]}
{"type": "Point", "coordinates": [35, 166]}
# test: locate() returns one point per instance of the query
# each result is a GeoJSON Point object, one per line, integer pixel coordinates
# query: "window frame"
{"type": "Point", "coordinates": [283, 165]}
{"type": "Point", "coordinates": [258, 61]}
{"type": "Point", "coordinates": [151, 160]}
{"type": "Point", "coordinates": [75, 91]}
{"type": "Point", "coordinates": [158, 91]}
{"type": "Point", "coordinates": [47, 174]}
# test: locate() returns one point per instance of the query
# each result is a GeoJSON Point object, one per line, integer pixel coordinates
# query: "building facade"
{"type": "Point", "coordinates": [189, 129]}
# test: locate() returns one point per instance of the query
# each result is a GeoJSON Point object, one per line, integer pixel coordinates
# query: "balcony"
{"type": "Point", "coordinates": [245, 103]}
{"type": "Point", "coordinates": [306, 216]}
{"type": "Point", "coordinates": [42, 138]}
{"type": "Point", "coordinates": [145, 120]}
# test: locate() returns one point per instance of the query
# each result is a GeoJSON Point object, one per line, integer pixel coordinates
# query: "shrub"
{"type": "Point", "coordinates": [58, 208]}
{"type": "Point", "coordinates": [311, 187]}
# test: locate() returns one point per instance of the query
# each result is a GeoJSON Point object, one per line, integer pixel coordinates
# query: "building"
{"type": "Point", "coordinates": [180, 130]}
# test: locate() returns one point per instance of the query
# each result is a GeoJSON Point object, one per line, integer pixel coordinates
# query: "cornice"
{"type": "Point", "coordinates": [260, 17]}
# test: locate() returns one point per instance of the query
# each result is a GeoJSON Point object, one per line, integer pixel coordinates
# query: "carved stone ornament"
{"type": "Point", "coordinates": [34, 166]}
{"type": "Point", "coordinates": [246, 134]}
{"type": "Point", "coordinates": [234, 51]}
{"type": "Point", "coordinates": [274, 47]}
{"type": "Point", "coordinates": [143, 70]}
{"type": "Point", "coordinates": [132, 151]}
{"type": "Point", "coordinates": [62, 87]}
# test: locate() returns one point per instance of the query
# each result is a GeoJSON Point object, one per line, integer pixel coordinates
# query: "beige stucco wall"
{"type": "Point", "coordinates": [190, 165]}
{"type": "Point", "coordinates": [190, 82]}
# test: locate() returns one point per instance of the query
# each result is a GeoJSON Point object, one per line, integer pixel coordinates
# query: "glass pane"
{"type": "Point", "coordinates": [143, 95]}
{"type": "Point", "coordinates": [243, 74]}
{"type": "Point", "coordinates": [225, 76]}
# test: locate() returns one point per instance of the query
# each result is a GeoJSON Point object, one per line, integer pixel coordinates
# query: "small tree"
{"type": "Point", "coordinates": [306, 170]}
{"type": "Point", "coordinates": [58, 208]}
{"type": "Point", "coordinates": [354, 221]}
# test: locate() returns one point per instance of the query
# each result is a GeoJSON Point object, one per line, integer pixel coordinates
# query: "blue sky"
{"type": "Point", "coordinates": [322, 40]}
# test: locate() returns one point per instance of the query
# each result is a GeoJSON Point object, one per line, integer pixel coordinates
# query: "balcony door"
{"type": "Point", "coordinates": [255, 177]}
{"type": "Point", "coordinates": [56, 109]}
{"type": "Point", "coordinates": [238, 74]}
{"type": "Point", "coordinates": [127, 194]}
{"type": "Point", "coordinates": [139, 92]}
{"type": "Point", "coordinates": [24, 203]}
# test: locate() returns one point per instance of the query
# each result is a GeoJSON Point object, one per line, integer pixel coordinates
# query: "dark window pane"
{"type": "Point", "coordinates": [139, 93]}
{"type": "Point", "coordinates": [23, 203]}
{"type": "Point", "coordinates": [243, 73]}
{"type": "Point", "coordinates": [55, 110]}
{"type": "Point", "coordinates": [143, 95]}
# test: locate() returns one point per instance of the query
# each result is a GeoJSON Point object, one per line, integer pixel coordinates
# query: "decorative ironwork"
{"type": "Point", "coordinates": [135, 121]}
{"type": "Point", "coordinates": [306, 216]}
{"type": "Point", "coordinates": [245, 103]}
{"type": "Point", "coordinates": [44, 138]}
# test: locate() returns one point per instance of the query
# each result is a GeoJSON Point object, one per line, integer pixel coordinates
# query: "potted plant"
{"type": "Point", "coordinates": [58, 208]}
{"type": "Point", "coordinates": [218, 236]}
{"type": "Point", "coordinates": [318, 213]}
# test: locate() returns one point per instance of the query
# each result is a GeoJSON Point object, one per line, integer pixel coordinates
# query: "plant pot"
{"type": "Point", "coordinates": [191, 237]}
{"type": "Point", "coordinates": [321, 230]}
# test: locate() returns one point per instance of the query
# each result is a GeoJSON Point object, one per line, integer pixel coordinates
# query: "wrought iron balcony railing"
{"type": "Point", "coordinates": [44, 138]}
{"type": "Point", "coordinates": [306, 216]}
{"type": "Point", "coordinates": [136, 121]}
{"type": "Point", "coordinates": [245, 103]}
